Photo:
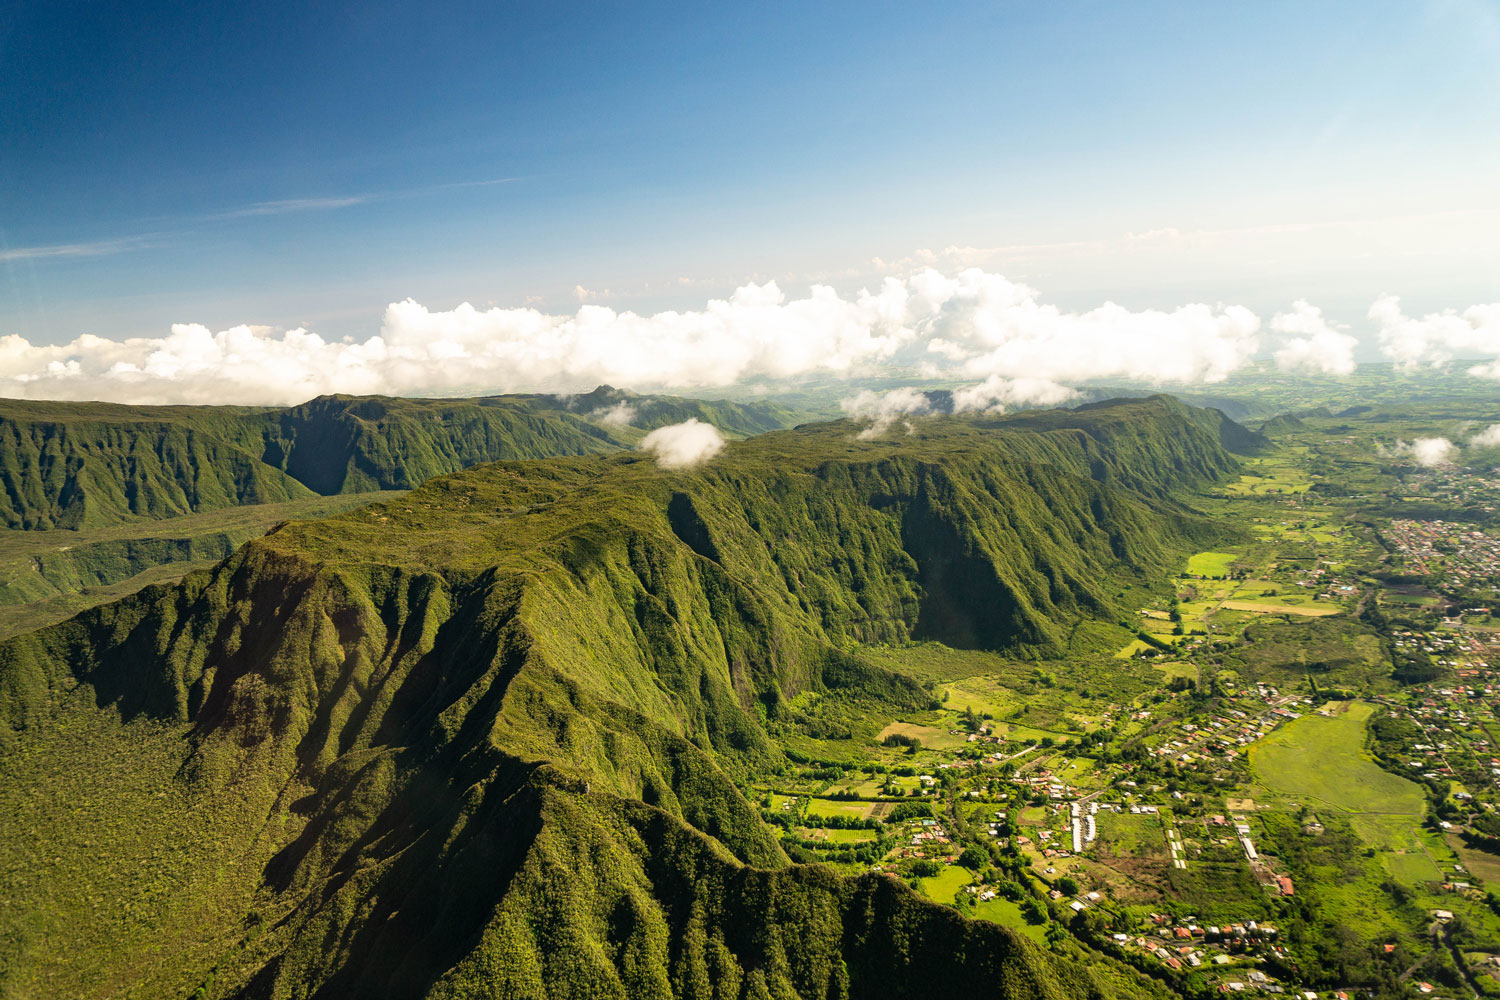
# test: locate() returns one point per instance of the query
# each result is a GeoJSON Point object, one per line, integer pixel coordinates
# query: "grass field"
{"type": "Point", "coordinates": [1132, 835]}
{"type": "Point", "coordinates": [942, 886]}
{"type": "Point", "coordinates": [1269, 480]}
{"type": "Point", "coordinates": [1486, 866]}
{"type": "Point", "coordinates": [1211, 563]}
{"type": "Point", "coordinates": [1321, 760]}
{"type": "Point", "coordinates": [837, 836]}
{"type": "Point", "coordinates": [1008, 914]}
{"type": "Point", "coordinates": [1263, 607]}
{"type": "Point", "coordinates": [829, 807]}
{"type": "Point", "coordinates": [1176, 668]}
{"type": "Point", "coordinates": [937, 739]}
{"type": "Point", "coordinates": [981, 694]}
{"type": "Point", "coordinates": [1410, 868]}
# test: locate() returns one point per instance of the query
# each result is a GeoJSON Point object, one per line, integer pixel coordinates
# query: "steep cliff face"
{"type": "Point", "coordinates": [485, 740]}
{"type": "Point", "coordinates": [87, 474]}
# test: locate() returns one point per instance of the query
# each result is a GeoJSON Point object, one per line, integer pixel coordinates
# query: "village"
{"type": "Point", "coordinates": [1232, 786]}
{"type": "Point", "coordinates": [1460, 553]}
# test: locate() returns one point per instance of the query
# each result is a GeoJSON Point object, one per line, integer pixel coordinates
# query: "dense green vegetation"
{"type": "Point", "coordinates": [46, 577]}
{"type": "Point", "coordinates": [493, 737]}
{"type": "Point", "coordinates": [89, 465]}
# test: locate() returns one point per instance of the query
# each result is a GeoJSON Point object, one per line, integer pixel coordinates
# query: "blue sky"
{"type": "Point", "coordinates": [306, 165]}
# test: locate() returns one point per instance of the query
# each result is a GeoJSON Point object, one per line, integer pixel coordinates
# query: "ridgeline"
{"type": "Point", "coordinates": [90, 465]}
{"type": "Point", "coordinates": [487, 738]}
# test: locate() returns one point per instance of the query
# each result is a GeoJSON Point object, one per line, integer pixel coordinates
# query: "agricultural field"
{"type": "Point", "coordinates": [1321, 759]}
{"type": "Point", "coordinates": [1211, 564]}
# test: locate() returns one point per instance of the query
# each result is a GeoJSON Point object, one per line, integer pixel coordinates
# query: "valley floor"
{"type": "Point", "coordinates": [1214, 795]}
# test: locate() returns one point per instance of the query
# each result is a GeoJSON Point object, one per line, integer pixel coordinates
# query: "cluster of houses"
{"type": "Point", "coordinates": [1187, 944]}
{"type": "Point", "coordinates": [1462, 553]}
{"type": "Point", "coordinates": [1461, 486]}
{"type": "Point", "coordinates": [1455, 741]}
{"type": "Point", "coordinates": [1471, 555]}
{"type": "Point", "coordinates": [928, 837]}
{"type": "Point", "coordinates": [1225, 736]}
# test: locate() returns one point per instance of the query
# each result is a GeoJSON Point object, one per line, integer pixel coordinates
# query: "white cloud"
{"type": "Point", "coordinates": [995, 393]}
{"type": "Point", "coordinates": [883, 409]}
{"type": "Point", "coordinates": [1427, 451]}
{"type": "Point", "coordinates": [1316, 345]}
{"type": "Point", "coordinates": [680, 445]}
{"type": "Point", "coordinates": [96, 248]}
{"type": "Point", "coordinates": [1438, 338]}
{"type": "Point", "coordinates": [896, 402]}
{"type": "Point", "coordinates": [971, 322]}
{"type": "Point", "coordinates": [622, 414]}
{"type": "Point", "coordinates": [989, 325]}
{"type": "Point", "coordinates": [1487, 438]}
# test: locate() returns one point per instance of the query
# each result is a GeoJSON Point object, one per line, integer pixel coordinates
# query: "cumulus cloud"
{"type": "Point", "coordinates": [1487, 438]}
{"type": "Point", "coordinates": [995, 393]}
{"type": "Point", "coordinates": [883, 409]}
{"type": "Point", "coordinates": [989, 325]}
{"type": "Point", "coordinates": [689, 443]}
{"type": "Point", "coordinates": [1427, 451]}
{"type": "Point", "coordinates": [971, 322]}
{"type": "Point", "coordinates": [1439, 338]}
{"type": "Point", "coordinates": [967, 323]}
{"type": "Point", "coordinates": [622, 414]}
{"type": "Point", "coordinates": [1315, 344]}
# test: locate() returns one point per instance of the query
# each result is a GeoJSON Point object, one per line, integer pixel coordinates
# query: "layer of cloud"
{"type": "Point", "coordinates": [1314, 344]}
{"type": "Point", "coordinates": [970, 323]}
{"type": "Point", "coordinates": [988, 325]}
{"type": "Point", "coordinates": [883, 410]}
{"type": "Point", "coordinates": [1437, 339]}
{"type": "Point", "coordinates": [689, 443]}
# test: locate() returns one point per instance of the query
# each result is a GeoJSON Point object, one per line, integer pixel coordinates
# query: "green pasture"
{"type": "Point", "coordinates": [1322, 759]}
{"type": "Point", "coordinates": [942, 886]}
{"type": "Point", "coordinates": [1210, 563]}
{"type": "Point", "coordinates": [831, 807]}
{"type": "Point", "coordinates": [1008, 914]}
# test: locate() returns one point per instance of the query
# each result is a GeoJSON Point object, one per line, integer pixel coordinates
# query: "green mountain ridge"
{"type": "Point", "coordinates": [82, 465]}
{"type": "Point", "coordinates": [485, 739]}
{"type": "Point", "coordinates": [47, 576]}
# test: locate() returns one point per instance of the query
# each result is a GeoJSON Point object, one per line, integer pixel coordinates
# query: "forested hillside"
{"type": "Point", "coordinates": [87, 465]}
{"type": "Point", "coordinates": [487, 739]}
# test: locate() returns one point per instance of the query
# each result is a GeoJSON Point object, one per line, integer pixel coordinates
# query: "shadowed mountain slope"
{"type": "Point", "coordinates": [486, 739]}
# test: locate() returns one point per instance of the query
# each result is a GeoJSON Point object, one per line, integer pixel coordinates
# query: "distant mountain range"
{"type": "Point", "coordinates": [87, 465]}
